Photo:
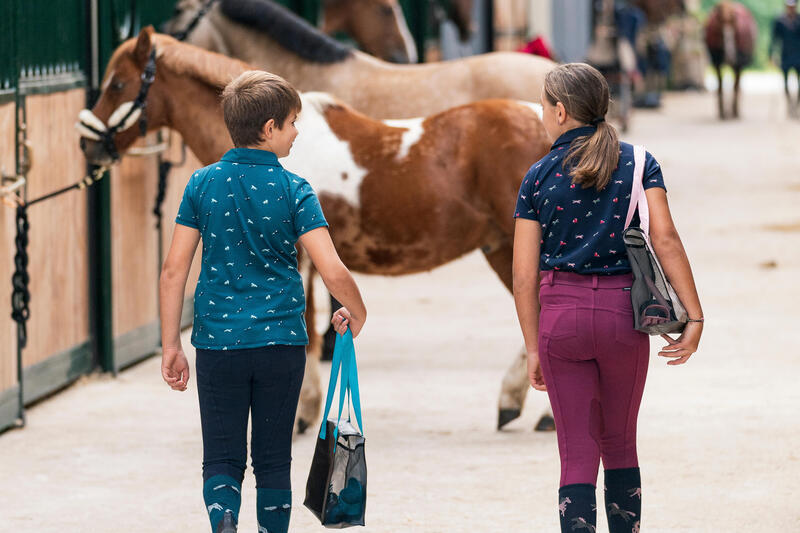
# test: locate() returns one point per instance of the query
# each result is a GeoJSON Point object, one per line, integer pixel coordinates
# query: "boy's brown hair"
{"type": "Point", "coordinates": [253, 98]}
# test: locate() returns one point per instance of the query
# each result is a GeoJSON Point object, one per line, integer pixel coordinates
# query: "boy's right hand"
{"type": "Point", "coordinates": [342, 319]}
{"type": "Point", "coordinates": [175, 368]}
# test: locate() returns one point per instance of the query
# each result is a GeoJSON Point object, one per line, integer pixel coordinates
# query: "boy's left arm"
{"type": "Point", "coordinates": [174, 366]}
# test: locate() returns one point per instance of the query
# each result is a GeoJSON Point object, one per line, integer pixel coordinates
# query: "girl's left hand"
{"type": "Point", "coordinates": [681, 350]}
{"type": "Point", "coordinates": [341, 320]}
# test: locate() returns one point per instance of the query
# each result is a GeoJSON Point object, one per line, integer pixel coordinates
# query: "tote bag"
{"type": "Point", "coordinates": [656, 307]}
{"type": "Point", "coordinates": [336, 491]}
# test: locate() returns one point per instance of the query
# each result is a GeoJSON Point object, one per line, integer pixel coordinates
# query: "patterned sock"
{"type": "Point", "coordinates": [221, 493]}
{"type": "Point", "coordinates": [623, 500]}
{"type": "Point", "coordinates": [577, 508]}
{"type": "Point", "coordinates": [274, 507]}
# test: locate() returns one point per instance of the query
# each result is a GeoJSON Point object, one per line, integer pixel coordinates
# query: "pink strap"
{"type": "Point", "coordinates": [638, 197]}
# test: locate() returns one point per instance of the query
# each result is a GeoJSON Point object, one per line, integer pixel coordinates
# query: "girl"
{"type": "Point", "coordinates": [577, 319]}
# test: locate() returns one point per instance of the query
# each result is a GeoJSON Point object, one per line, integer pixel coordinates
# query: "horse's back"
{"type": "Point", "coordinates": [745, 28]}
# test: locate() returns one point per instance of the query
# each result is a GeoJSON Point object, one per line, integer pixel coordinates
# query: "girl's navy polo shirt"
{"type": "Point", "coordinates": [581, 228]}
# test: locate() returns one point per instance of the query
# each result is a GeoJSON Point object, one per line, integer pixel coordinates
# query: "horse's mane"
{"type": "Point", "coordinates": [319, 101]}
{"type": "Point", "coordinates": [183, 59]}
{"type": "Point", "coordinates": [215, 70]}
{"type": "Point", "coordinates": [287, 29]}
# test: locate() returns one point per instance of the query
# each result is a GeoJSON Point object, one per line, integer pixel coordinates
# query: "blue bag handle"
{"type": "Point", "coordinates": [352, 386]}
{"type": "Point", "coordinates": [335, 365]}
{"type": "Point", "coordinates": [344, 358]}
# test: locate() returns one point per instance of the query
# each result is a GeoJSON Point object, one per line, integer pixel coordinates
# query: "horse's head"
{"type": "Point", "coordinates": [128, 102]}
{"type": "Point", "coordinates": [460, 12]}
{"type": "Point", "coordinates": [727, 12]}
{"type": "Point", "coordinates": [378, 26]}
{"type": "Point", "coordinates": [183, 15]}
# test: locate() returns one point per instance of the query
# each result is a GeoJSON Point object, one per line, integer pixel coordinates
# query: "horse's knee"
{"type": "Point", "coordinates": [515, 383]}
{"type": "Point", "coordinates": [310, 395]}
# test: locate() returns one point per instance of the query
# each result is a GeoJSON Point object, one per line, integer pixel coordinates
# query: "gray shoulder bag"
{"type": "Point", "coordinates": [656, 307]}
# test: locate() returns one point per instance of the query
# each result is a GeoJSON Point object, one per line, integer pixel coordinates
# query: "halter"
{"type": "Point", "coordinates": [123, 117]}
{"type": "Point", "coordinates": [182, 35]}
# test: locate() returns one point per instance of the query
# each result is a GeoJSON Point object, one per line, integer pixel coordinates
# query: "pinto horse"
{"type": "Point", "coordinates": [731, 34]}
{"type": "Point", "coordinates": [268, 36]}
{"type": "Point", "coordinates": [398, 194]}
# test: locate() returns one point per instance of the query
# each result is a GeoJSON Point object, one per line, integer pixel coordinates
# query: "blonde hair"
{"type": "Point", "coordinates": [253, 98]}
{"type": "Point", "coordinates": [583, 91]}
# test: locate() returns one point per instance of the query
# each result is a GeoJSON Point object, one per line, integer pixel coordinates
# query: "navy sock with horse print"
{"type": "Point", "coordinates": [623, 495]}
{"type": "Point", "coordinates": [577, 508]}
{"type": "Point", "coordinates": [222, 493]}
{"type": "Point", "coordinates": [274, 508]}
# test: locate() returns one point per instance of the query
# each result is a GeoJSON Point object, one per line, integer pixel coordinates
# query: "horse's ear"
{"type": "Point", "coordinates": [143, 45]}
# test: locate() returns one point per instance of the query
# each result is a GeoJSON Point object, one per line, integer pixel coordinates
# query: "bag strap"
{"type": "Point", "coordinates": [344, 358]}
{"type": "Point", "coordinates": [349, 385]}
{"type": "Point", "coordinates": [352, 385]}
{"type": "Point", "coordinates": [335, 366]}
{"type": "Point", "coordinates": [638, 197]}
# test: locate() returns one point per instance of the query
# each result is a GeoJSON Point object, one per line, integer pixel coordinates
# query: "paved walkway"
{"type": "Point", "coordinates": [718, 437]}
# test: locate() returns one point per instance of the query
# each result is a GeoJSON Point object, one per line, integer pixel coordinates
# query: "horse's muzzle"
{"type": "Point", "coordinates": [95, 152]}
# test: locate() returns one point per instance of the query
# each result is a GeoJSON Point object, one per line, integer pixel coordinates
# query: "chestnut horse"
{"type": "Point", "coordinates": [270, 37]}
{"type": "Point", "coordinates": [731, 34]}
{"type": "Point", "coordinates": [378, 26]}
{"type": "Point", "coordinates": [398, 194]}
{"type": "Point", "coordinates": [658, 11]}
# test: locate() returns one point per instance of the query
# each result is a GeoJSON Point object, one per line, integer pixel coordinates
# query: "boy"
{"type": "Point", "coordinates": [249, 330]}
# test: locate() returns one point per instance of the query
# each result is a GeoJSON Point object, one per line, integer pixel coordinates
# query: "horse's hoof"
{"type": "Point", "coordinates": [546, 423]}
{"type": "Point", "coordinates": [504, 416]}
{"type": "Point", "coordinates": [302, 426]}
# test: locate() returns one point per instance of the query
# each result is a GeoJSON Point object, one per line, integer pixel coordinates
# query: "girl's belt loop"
{"type": "Point", "coordinates": [595, 279]}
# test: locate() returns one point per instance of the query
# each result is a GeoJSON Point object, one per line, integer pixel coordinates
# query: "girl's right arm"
{"type": "Point", "coordinates": [337, 277]}
{"type": "Point", "coordinates": [527, 237]}
{"type": "Point", "coordinates": [672, 256]}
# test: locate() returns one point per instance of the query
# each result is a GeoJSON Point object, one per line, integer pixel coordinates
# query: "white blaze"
{"type": "Point", "coordinates": [408, 40]}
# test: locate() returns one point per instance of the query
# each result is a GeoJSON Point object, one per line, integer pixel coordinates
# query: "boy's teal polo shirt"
{"type": "Point", "coordinates": [250, 212]}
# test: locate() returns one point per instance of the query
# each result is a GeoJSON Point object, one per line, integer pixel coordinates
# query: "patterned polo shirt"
{"type": "Point", "coordinates": [250, 212]}
{"type": "Point", "coordinates": [582, 228]}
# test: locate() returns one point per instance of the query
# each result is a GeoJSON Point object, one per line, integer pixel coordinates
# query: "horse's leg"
{"type": "Point", "coordinates": [515, 382]}
{"type": "Point", "coordinates": [737, 75]}
{"type": "Point", "coordinates": [720, 94]}
{"type": "Point", "coordinates": [310, 392]}
{"type": "Point", "coordinates": [329, 337]}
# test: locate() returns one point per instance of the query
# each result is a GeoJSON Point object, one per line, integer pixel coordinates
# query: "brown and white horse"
{"type": "Point", "coordinates": [731, 34]}
{"type": "Point", "coordinates": [378, 26]}
{"type": "Point", "coordinates": [270, 37]}
{"type": "Point", "coordinates": [401, 196]}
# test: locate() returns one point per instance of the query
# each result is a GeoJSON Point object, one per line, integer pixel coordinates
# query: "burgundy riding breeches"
{"type": "Point", "coordinates": [594, 365]}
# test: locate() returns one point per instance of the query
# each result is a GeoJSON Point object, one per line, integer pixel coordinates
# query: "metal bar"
{"type": "Point", "coordinates": [99, 223]}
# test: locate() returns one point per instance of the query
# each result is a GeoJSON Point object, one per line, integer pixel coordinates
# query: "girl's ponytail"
{"type": "Point", "coordinates": [584, 93]}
